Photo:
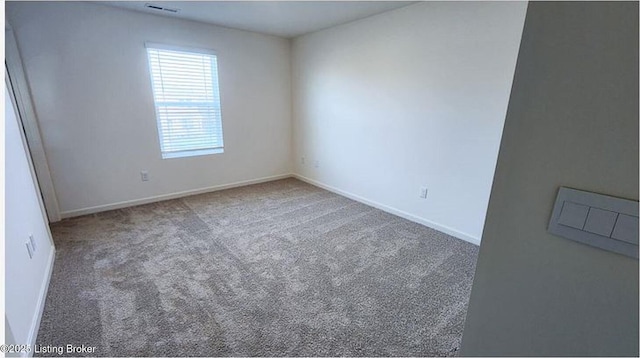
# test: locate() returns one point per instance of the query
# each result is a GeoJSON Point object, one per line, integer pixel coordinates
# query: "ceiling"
{"type": "Point", "coordinates": [280, 18]}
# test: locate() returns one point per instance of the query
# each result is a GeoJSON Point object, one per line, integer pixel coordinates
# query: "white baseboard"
{"type": "Point", "coordinates": [44, 288]}
{"type": "Point", "coordinates": [403, 214]}
{"type": "Point", "coordinates": [123, 204]}
{"type": "Point", "coordinates": [152, 199]}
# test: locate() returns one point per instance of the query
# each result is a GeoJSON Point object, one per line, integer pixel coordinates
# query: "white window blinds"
{"type": "Point", "coordinates": [187, 100]}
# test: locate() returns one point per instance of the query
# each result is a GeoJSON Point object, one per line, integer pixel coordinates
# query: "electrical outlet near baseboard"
{"type": "Point", "coordinates": [423, 192]}
{"type": "Point", "coordinates": [144, 175]}
{"type": "Point", "coordinates": [32, 241]}
{"type": "Point", "coordinates": [29, 249]}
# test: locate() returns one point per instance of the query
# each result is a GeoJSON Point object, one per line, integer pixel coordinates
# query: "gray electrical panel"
{"type": "Point", "coordinates": [606, 222]}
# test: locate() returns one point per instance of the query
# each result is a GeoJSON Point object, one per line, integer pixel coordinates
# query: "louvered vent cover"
{"type": "Point", "coordinates": [160, 8]}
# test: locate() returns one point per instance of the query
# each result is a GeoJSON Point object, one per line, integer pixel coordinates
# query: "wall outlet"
{"type": "Point", "coordinates": [32, 241]}
{"type": "Point", "coordinates": [29, 250]}
{"type": "Point", "coordinates": [144, 175]}
{"type": "Point", "coordinates": [316, 164]}
{"type": "Point", "coordinates": [302, 160]}
{"type": "Point", "coordinates": [423, 192]}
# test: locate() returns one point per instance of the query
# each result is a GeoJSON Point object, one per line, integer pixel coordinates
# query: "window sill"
{"type": "Point", "coordinates": [192, 153]}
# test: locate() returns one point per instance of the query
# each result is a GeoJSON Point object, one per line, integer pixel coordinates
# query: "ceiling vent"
{"type": "Point", "coordinates": [161, 8]}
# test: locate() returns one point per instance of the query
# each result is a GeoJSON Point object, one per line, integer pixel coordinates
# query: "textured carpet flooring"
{"type": "Point", "coordinates": [275, 269]}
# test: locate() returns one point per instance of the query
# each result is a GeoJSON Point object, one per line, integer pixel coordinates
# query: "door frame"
{"type": "Point", "coordinates": [27, 115]}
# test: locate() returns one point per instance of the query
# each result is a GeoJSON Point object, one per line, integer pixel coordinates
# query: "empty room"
{"type": "Point", "coordinates": [321, 178]}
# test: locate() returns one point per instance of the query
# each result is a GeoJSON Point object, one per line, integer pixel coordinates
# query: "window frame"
{"type": "Point", "coordinates": [215, 84]}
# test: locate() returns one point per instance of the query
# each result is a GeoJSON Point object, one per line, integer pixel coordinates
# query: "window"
{"type": "Point", "coordinates": [187, 100]}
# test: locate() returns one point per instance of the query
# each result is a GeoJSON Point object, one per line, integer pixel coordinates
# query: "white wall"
{"type": "Point", "coordinates": [87, 69]}
{"type": "Point", "coordinates": [26, 280]}
{"type": "Point", "coordinates": [416, 96]}
{"type": "Point", "coordinates": [572, 121]}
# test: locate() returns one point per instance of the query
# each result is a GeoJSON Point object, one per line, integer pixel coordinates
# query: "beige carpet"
{"type": "Point", "coordinates": [275, 269]}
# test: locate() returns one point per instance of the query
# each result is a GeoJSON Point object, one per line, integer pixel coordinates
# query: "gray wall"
{"type": "Point", "coordinates": [572, 121]}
